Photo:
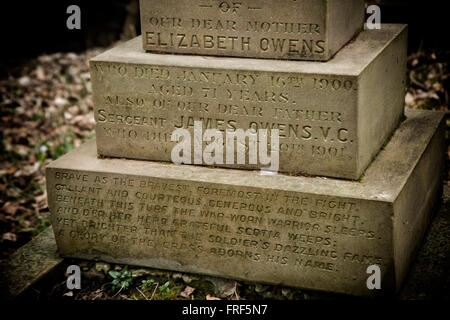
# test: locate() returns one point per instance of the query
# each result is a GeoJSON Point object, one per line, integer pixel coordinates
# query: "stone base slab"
{"type": "Point", "coordinates": [315, 233]}
{"type": "Point", "coordinates": [28, 265]}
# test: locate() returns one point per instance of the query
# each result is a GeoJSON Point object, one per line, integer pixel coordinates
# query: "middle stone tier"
{"type": "Point", "coordinates": [333, 117]}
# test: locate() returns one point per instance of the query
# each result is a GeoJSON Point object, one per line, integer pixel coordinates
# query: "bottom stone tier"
{"type": "Point", "coordinates": [308, 232]}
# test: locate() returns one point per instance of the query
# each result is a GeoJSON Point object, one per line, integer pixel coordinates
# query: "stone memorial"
{"type": "Point", "coordinates": [278, 29]}
{"type": "Point", "coordinates": [358, 176]}
{"type": "Point", "coordinates": [332, 117]}
{"type": "Point", "coordinates": [297, 231]}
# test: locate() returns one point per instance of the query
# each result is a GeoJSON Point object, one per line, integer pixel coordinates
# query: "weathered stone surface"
{"type": "Point", "coordinates": [428, 278]}
{"type": "Point", "coordinates": [280, 29]}
{"type": "Point", "coordinates": [299, 231]}
{"type": "Point", "coordinates": [333, 116]}
{"type": "Point", "coordinates": [28, 265]}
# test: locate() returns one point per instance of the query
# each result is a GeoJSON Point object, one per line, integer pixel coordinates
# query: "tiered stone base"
{"type": "Point", "coordinates": [309, 232]}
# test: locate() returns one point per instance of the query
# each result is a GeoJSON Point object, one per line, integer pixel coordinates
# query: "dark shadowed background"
{"type": "Point", "coordinates": [30, 28]}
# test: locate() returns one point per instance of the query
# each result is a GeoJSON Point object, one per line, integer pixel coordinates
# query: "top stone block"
{"type": "Point", "coordinates": [273, 29]}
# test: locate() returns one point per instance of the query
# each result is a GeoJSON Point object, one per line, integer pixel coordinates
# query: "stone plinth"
{"type": "Point", "coordinates": [307, 232]}
{"type": "Point", "coordinates": [333, 117]}
{"type": "Point", "coordinates": [280, 29]}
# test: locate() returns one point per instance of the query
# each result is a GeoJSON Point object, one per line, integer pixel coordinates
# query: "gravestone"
{"type": "Point", "coordinates": [297, 231]}
{"type": "Point", "coordinates": [333, 117]}
{"type": "Point", "coordinates": [278, 29]}
{"type": "Point", "coordinates": [306, 231]}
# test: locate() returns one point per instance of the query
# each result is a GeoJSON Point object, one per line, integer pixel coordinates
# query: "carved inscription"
{"type": "Point", "coordinates": [141, 218]}
{"type": "Point", "coordinates": [241, 28]}
{"type": "Point", "coordinates": [314, 114]}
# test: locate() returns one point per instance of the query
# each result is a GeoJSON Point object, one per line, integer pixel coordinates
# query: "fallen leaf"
{"type": "Point", "coordinates": [228, 289]}
{"type": "Point", "coordinates": [409, 99]}
{"type": "Point", "coordinates": [9, 236]}
{"type": "Point", "coordinates": [209, 297]}
{"type": "Point", "coordinates": [32, 158]}
{"type": "Point", "coordinates": [21, 149]}
{"type": "Point", "coordinates": [60, 101]}
{"type": "Point", "coordinates": [42, 197]}
{"type": "Point", "coordinates": [40, 73]}
{"type": "Point", "coordinates": [187, 278]}
{"type": "Point", "coordinates": [187, 292]}
{"type": "Point", "coordinates": [41, 201]}
{"type": "Point", "coordinates": [10, 208]}
{"type": "Point", "coordinates": [28, 170]}
{"type": "Point", "coordinates": [24, 81]}
{"type": "Point", "coordinates": [177, 275]}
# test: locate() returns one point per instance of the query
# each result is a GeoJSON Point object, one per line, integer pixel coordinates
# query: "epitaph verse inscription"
{"type": "Point", "coordinates": [315, 115]}
{"type": "Point", "coordinates": [294, 237]}
{"type": "Point", "coordinates": [282, 29]}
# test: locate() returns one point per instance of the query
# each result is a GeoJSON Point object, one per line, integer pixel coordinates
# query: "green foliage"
{"type": "Point", "coordinates": [43, 222]}
{"type": "Point", "coordinates": [165, 288]}
{"type": "Point", "coordinates": [146, 284]}
{"type": "Point", "coordinates": [429, 105]}
{"type": "Point", "coordinates": [37, 117]}
{"type": "Point", "coordinates": [41, 151]}
{"type": "Point", "coordinates": [153, 290]}
{"type": "Point", "coordinates": [121, 279]}
{"type": "Point", "coordinates": [63, 147]}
